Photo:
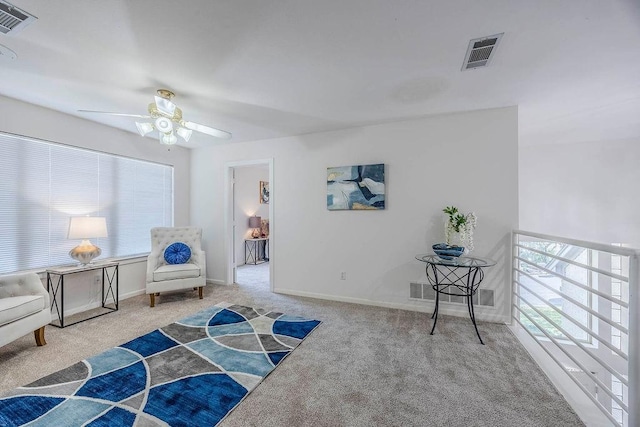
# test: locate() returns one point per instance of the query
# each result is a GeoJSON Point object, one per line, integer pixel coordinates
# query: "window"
{"type": "Point", "coordinates": [43, 184]}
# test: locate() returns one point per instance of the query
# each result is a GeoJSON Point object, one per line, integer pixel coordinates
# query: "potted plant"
{"type": "Point", "coordinates": [458, 229]}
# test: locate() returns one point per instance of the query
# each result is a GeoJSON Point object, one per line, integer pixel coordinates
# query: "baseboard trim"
{"type": "Point", "coordinates": [132, 294]}
{"type": "Point", "coordinates": [424, 307]}
{"type": "Point", "coordinates": [97, 304]}
{"type": "Point", "coordinates": [215, 282]}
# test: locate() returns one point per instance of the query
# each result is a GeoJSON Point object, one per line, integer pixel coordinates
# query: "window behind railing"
{"type": "Point", "coordinates": [573, 298]}
{"type": "Point", "coordinates": [43, 184]}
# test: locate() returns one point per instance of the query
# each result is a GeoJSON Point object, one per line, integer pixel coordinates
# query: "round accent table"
{"type": "Point", "coordinates": [459, 276]}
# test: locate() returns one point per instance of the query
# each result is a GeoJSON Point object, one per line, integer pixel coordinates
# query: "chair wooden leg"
{"type": "Point", "coordinates": [153, 300]}
{"type": "Point", "coordinates": [39, 335]}
{"type": "Point", "coordinates": [200, 292]}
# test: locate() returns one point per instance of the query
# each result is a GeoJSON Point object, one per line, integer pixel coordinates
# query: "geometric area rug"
{"type": "Point", "coordinates": [190, 373]}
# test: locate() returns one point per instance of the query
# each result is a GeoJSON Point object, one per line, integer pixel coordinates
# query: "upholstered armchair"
{"type": "Point", "coordinates": [176, 261]}
{"type": "Point", "coordinates": [24, 307]}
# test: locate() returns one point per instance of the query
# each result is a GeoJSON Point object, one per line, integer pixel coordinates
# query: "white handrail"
{"type": "Point", "coordinates": [606, 363]}
{"type": "Point", "coordinates": [576, 302]}
{"type": "Point", "coordinates": [578, 264]}
{"type": "Point", "coordinates": [602, 247]}
{"type": "Point", "coordinates": [576, 342]}
{"type": "Point", "coordinates": [580, 325]}
{"type": "Point", "coordinates": [575, 283]}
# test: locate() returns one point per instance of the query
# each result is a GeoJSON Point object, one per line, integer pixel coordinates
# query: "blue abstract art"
{"type": "Point", "coordinates": [189, 373]}
{"type": "Point", "coordinates": [356, 187]}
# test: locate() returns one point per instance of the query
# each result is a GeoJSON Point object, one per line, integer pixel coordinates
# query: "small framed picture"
{"type": "Point", "coordinates": [264, 192]}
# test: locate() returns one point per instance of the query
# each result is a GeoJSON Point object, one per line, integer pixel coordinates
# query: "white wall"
{"type": "Point", "coordinates": [30, 120]}
{"type": "Point", "coordinates": [585, 191]}
{"type": "Point", "coordinates": [468, 160]}
{"type": "Point", "coordinates": [247, 181]}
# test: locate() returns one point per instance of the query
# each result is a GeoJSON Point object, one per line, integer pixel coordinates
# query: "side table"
{"type": "Point", "coordinates": [256, 251]}
{"type": "Point", "coordinates": [458, 276]}
{"type": "Point", "coordinates": [56, 287]}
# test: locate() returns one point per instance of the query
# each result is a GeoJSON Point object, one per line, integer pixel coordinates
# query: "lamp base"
{"type": "Point", "coordinates": [256, 233]}
{"type": "Point", "coordinates": [85, 252]}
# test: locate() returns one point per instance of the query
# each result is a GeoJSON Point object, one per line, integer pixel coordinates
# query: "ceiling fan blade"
{"type": "Point", "coordinates": [145, 116]}
{"type": "Point", "coordinates": [208, 130]}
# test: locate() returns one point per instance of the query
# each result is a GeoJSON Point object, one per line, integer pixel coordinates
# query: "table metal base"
{"type": "Point", "coordinates": [464, 284]}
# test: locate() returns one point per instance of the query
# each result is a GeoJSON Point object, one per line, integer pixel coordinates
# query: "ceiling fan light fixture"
{"type": "Point", "coordinates": [168, 138]}
{"type": "Point", "coordinates": [165, 117]}
{"type": "Point", "coordinates": [164, 125]}
{"type": "Point", "coordinates": [184, 133]}
{"type": "Point", "coordinates": [144, 128]}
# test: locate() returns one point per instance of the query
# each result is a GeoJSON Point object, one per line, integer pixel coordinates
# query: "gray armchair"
{"type": "Point", "coordinates": [24, 307]}
{"type": "Point", "coordinates": [162, 276]}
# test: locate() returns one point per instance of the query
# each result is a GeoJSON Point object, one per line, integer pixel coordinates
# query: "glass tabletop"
{"type": "Point", "coordinates": [77, 268]}
{"type": "Point", "coordinates": [463, 261]}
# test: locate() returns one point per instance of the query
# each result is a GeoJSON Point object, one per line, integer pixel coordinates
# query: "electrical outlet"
{"type": "Point", "coordinates": [343, 275]}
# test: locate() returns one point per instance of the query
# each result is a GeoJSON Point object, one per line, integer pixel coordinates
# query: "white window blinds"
{"type": "Point", "coordinates": [43, 184]}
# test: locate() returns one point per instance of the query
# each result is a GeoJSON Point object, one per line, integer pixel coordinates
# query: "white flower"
{"type": "Point", "coordinates": [466, 225]}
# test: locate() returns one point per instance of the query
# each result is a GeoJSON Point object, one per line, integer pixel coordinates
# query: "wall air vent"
{"type": "Point", "coordinates": [424, 291]}
{"type": "Point", "coordinates": [480, 52]}
{"type": "Point", "coordinates": [12, 19]}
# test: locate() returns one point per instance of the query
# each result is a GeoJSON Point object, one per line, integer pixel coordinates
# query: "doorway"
{"type": "Point", "coordinates": [249, 223]}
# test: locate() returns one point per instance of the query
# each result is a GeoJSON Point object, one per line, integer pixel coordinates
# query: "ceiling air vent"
{"type": "Point", "coordinates": [12, 19]}
{"type": "Point", "coordinates": [480, 52]}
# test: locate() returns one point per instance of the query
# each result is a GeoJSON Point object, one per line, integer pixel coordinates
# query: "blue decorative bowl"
{"type": "Point", "coordinates": [447, 252]}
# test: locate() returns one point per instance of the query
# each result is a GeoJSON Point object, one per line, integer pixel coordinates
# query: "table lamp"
{"type": "Point", "coordinates": [85, 228]}
{"type": "Point", "coordinates": [255, 222]}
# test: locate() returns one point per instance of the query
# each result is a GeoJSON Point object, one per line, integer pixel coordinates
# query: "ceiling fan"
{"type": "Point", "coordinates": [167, 117]}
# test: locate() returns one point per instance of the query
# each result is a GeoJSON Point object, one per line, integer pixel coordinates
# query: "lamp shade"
{"type": "Point", "coordinates": [144, 128]}
{"type": "Point", "coordinates": [255, 222]}
{"type": "Point", "coordinates": [184, 133]}
{"type": "Point", "coordinates": [87, 227]}
{"type": "Point", "coordinates": [168, 138]}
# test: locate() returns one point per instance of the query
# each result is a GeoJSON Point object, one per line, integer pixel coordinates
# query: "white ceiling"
{"type": "Point", "coordinates": [271, 68]}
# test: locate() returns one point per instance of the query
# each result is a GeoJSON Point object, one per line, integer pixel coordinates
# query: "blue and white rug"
{"type": "Point", "coordinates": [190, 373]}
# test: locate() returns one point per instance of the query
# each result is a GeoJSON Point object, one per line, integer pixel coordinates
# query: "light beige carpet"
{"type": "Point", "coordinates": [364, 366]}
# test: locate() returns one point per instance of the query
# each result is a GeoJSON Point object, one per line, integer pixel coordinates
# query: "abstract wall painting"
{"type": "Point", "coordinates": [358, 187]}
{"type": "Point", "coordinates": [264, 192]}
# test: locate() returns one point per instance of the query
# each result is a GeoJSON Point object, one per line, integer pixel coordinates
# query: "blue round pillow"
{"type": "Point", "coordinates": [177, 253]}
